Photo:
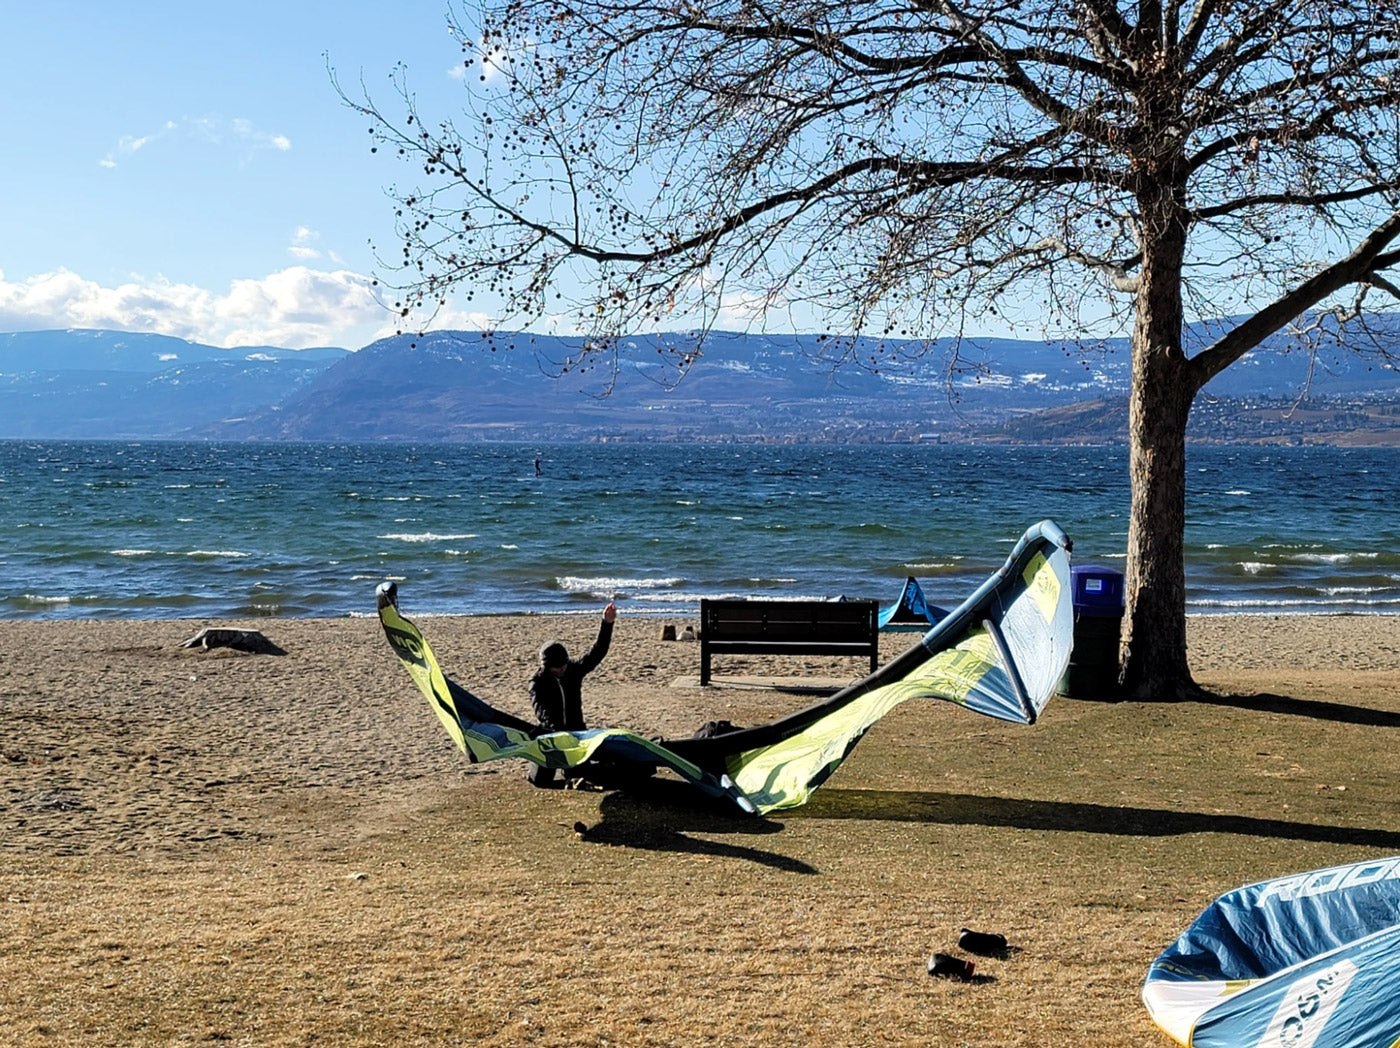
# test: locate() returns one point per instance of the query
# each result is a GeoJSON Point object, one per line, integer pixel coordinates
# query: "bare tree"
{"type": "Point", "coordinates": [898, 168]}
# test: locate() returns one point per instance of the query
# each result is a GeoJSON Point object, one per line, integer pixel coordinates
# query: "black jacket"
{"type": "Point", "coordinates": [558, 701]}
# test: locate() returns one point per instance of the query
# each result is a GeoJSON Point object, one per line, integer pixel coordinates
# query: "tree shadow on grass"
{"type": "Point", "coordinates": [663, 814]}
{"type": "Point", "coordinates": [1313, 708]}
{"type": "Point", "coordinates": [963, 809]}
{"type": "Point", "coordinates": [1266, 702]}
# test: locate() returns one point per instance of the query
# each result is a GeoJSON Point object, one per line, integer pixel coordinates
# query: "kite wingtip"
{"type": "Point", "coordinates": [385, 594]}
{"type": "Point", "coordinates": [745, 805]}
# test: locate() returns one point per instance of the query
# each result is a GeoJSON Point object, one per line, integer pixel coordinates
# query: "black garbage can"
{"type": "Point", "coordinates": [1098, 624]}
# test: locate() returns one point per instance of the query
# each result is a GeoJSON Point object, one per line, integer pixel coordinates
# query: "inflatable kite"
{"type": "Point", "coordinates": [1000, 653]}
{"type": "Point", "coordinates": [1307, 961]}
{"type": "Point", "coordinates": [911, 610]}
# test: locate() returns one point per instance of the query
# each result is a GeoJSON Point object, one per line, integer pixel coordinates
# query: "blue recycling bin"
{"type": "Point", "coordinates": [1097, 596]}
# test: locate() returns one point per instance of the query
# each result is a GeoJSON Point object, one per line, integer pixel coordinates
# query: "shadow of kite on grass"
{"type": "Point", "coordinates": [963, 809]}
{"type": "Point", "coordinates": [665, 816]}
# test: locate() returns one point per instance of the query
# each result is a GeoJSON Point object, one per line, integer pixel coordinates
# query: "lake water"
{"type": "Point", "coordinates": [196, 530]}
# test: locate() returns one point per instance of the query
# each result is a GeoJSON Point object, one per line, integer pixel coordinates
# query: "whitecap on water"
{"type": "Point", "coordinates": [607, 586]}
{"type": "Point", "coordinates": [425, 536]}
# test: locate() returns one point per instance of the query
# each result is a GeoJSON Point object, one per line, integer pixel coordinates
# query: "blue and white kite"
{"type": "Point", "coordinates": [1307, 961]}
{"type": "Point", "coordinates": [911, 610]}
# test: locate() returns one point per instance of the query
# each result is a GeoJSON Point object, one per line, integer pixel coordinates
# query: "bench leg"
{"type": "Point", "coordinates": [704, 664]}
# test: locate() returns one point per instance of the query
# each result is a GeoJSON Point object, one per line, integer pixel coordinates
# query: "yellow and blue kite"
{"type": "Point", "coordinates": [1001, 653]}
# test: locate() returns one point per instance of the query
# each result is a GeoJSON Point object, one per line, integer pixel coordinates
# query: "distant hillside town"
{"type": "Point", "coordinates": [472, 386]}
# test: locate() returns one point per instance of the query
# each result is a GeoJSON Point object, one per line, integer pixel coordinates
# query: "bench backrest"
{"type": "Point", "coordinates": [779, 620]}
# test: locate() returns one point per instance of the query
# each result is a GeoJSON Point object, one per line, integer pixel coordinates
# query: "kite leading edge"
{"type": "Point", "coordinates": [1000, 653]}
{"type": "Point", "coordinates": [1305, 961]}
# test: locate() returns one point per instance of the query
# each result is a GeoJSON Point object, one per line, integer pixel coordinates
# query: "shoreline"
{"type": "Point", "coordinates": [646, 614]}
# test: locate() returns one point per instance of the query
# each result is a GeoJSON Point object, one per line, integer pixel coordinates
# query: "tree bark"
{"type": "Point", "coordinates": [1154, 632]}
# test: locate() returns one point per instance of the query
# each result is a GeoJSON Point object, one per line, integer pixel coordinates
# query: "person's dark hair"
{"type": "Point", "coordinates": [553, 654]}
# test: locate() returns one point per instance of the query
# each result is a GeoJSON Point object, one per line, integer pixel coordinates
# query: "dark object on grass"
{"type": "Point", "coordinates": [240, 640]}
{"type": "Point", "coordinates": [714, 729]}
{"type": "Point", "coordinates": [950, 967]}
{"type": "Point", "coordinates": [986, 944]}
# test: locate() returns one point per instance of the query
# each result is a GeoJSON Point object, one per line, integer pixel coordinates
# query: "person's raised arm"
{"type": "Point", "coordinates": [600, 647]}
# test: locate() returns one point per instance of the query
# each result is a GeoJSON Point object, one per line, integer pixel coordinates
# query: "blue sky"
{"type": "Point", "coordinates": [187, 168]}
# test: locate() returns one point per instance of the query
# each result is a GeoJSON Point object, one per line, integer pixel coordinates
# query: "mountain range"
{"type": "Point", "coordinates": [87, 384]}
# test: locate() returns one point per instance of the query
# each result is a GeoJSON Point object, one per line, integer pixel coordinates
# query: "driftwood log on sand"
{"type": "Point", "coordinates": [250, 641]}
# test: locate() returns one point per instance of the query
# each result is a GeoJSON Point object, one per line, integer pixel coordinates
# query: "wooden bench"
{"type": "Point", "coordinates": [788, 627]}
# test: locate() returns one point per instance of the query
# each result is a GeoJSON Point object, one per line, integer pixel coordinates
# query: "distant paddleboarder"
{"type": "Point", "coordinates": [538, 470]}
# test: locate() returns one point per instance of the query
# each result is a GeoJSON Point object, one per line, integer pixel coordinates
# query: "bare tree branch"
{"type": "Point", "coordinates": [1359, 265]}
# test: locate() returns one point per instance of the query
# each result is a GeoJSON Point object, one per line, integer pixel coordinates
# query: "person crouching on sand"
{"type": "Point", "coordinates": [556, 689]}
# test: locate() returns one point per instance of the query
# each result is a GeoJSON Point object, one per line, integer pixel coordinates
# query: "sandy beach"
{"type": "Point", "coordinates": [266, 850]}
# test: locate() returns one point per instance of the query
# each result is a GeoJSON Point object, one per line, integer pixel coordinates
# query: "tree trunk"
{"type": "Point", "coordinates": [1154, 634]}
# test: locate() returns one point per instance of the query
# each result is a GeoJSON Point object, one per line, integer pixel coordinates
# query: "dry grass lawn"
{"type": "Point", "coordinates": [265, 851]}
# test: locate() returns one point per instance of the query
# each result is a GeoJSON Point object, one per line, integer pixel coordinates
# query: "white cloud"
{"type": "Point", "coordinates": [740, 310]}
{"type": "Point", "coordinates": [449, 318]}
{"type": "Point", "coordinates": [706, 299]}
{"type": "Point", "coordinates": [301, 247]}
{"type": "Point", "coordinates": [294, 307]}
{"type": "Point", "coordinates": [129, 145]}
{"type": "Point", "coordinates": [491, 64]}
{"type": "Point", "coordinates": [238, 133]}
